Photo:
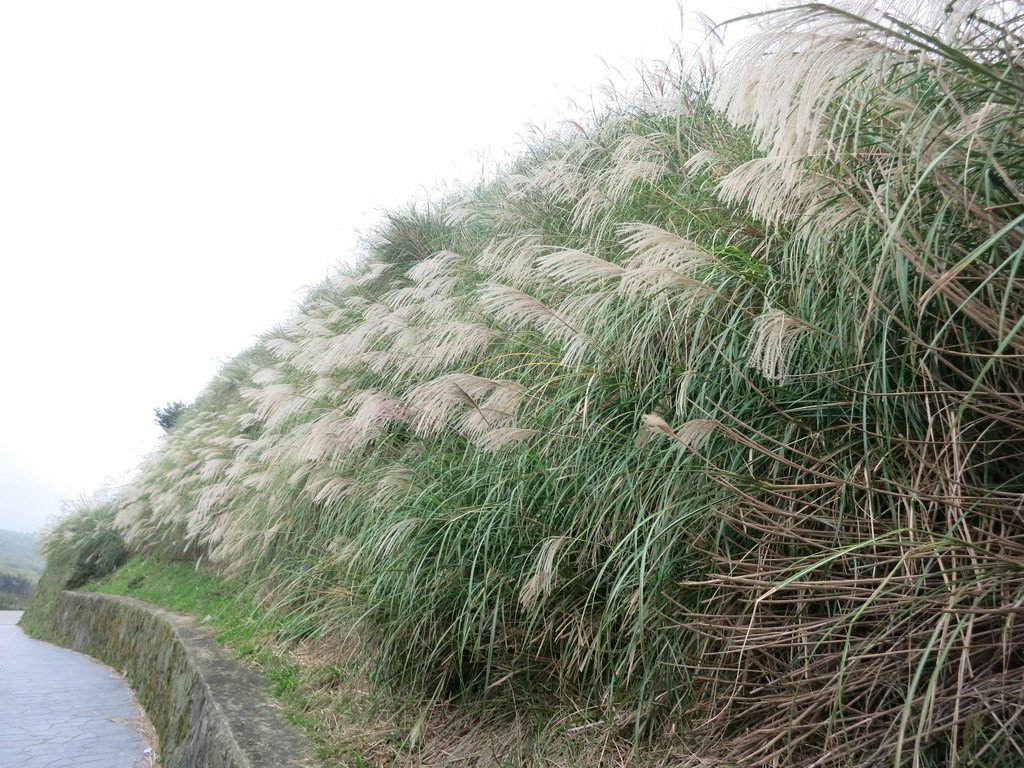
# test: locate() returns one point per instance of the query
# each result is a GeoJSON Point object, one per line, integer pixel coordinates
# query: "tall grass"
{"type": "Point", "coordinates": [82, 545]}
{"type": "Point", "coordinates": [705, 419]}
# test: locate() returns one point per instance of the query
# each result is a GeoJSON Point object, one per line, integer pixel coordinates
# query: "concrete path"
{"type": "Point", "coordinates": [61, 709]}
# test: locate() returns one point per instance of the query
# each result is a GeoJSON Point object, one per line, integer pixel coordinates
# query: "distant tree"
{"type": "Point", "coordinates": [168, 416]}
{"type": "Point", "coordinates": [19, 553]}
{"type": "Point", "coordinates": [15, 585]}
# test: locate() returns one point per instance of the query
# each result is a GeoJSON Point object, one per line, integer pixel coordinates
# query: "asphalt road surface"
{"type": "Point", "coordinates": [61, 709]}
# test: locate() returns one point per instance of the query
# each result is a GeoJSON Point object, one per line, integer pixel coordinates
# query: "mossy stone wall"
{"type": "Point", "coordinates": [209, 710]}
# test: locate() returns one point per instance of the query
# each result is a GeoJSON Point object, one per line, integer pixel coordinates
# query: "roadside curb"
{"type": "Point", "coordinates": [208, 709]}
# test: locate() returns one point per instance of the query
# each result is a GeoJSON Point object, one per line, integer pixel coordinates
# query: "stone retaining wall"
{"type": "Point", "coordinates": [209, 711]}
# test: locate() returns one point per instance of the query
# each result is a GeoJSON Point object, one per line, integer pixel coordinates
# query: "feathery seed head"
{"type": "Point", "coordinates": [433, 404]}
{"type": "Point", "coordinates": [394, 485]}
{"type": "Point", "coordinates": [434, 266]}
{"type": "Point", "coordinates": [519, 310]}
{"type": "Point", "coordinates": [652, 246]}
{"type": "Point", "coordinates": [331, 489]}
{"type": "Point", "coordinates": [494, 440]}
{"type": "Point", "coordinates": [690, 435]}
{"type": "Point", "coordinates": [575, 267]}
{"type": "Point", "coordinates": [773, 338]}
{"type": "Point", "coordinates": [396, 536]}
{"type": "Point", "coordinates": [512, 259]}
{"type": "Point", "coordinates": [541, 580]}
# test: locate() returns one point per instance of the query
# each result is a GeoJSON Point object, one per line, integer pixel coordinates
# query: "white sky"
{"type": "Point", "coordinates": [173, 174]}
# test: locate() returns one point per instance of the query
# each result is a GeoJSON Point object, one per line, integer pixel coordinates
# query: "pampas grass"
{"type": "Point", "coordinates": [701, 427]}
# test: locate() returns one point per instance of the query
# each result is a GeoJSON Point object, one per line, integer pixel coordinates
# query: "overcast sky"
{"type": "Point", "coordinates": [174, 174]}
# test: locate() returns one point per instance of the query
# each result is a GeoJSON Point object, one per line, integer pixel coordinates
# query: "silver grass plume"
{"type": "Point", "coordinates": [329, 490]}
{"type": "Point", "coordinates": [372, 272]}
{"type": "Point", "coordinates": [573, 268]}
{"type": "Point", "coordinates": [461, 213]}
{"type": "Point", "coordinates": [396, 536]}
{"type": "Point", "coordinates": [780, 80]}
{"type": "Point", "coordinates": [691, 435]}
{"type": "Point", "coordinates": [393, 486]}
{"type": "Point", "coordinates": [266, 376]}
{"type": "Point", "coordinates": [542, 579]}
{"type": "Point", "coordinates": [326, 388]}
{"type": "Point", "coordinates": [519, 310]}
{"type": "Point", "coordinates": [652, 246]}
{"type": "Point", "coordinates": [309, 325]}
{"type": "Point", "coordinates": [660, 261]}
{"type": "Point", "coordinates": [213, 467]}
{"type": "Point", "coordinates": [777, 193]}
{"type": "Point", "coordinates": [375, 411]}
{"type": "Point", "coordinates": [559, 180]}
{"type": "Point", "coordinates": [512, 259]}
{"type": "Point", "coordinates": [282, 348]}
{"type": "Point", "coordinates": [363, 418]}
{"type": "Point", "coordinates": [320, 439]}
{"type": "Point", "coordinates": [772, 342]}
{"type": "Point", "coordinates": [494, 440]}
{"type": "Point", "coordinates": [637, 160]}
{"type": "Point", "coordinates": [493, 411]}
{"type": "Point", "coordinates": [566, 178]}
{"type": "Point", "coordinates": [434, 404]}
{"type": "Point", "coordinates": [276, 403]}
{"type": "Point", "coordinates": [704, 161]}
{"type": "Point", "coordinates": [434, 266]}
{"type": "Point", "coordinates": [591, 206]}
{"type": "Point", "coordinates": [785, 80]}
{"type": "Point", "coordinates": [441, 345]}
{"type": "Point", "coordinates": [421, 298]}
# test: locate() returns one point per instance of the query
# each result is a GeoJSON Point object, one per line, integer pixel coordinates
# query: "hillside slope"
{"type": "Point", "coordinates": [19, 552]}
{"type": "Point", "coordinates": [703, 422]}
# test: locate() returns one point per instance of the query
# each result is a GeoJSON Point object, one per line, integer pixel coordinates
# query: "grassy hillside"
{"type": "Point", "coordinates": [82, 546]}
{"type": "Point", "coordinates": [699, 429]}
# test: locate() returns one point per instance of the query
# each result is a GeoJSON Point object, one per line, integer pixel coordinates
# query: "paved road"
{"type": "Point", "coordinates": [61, 709]}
